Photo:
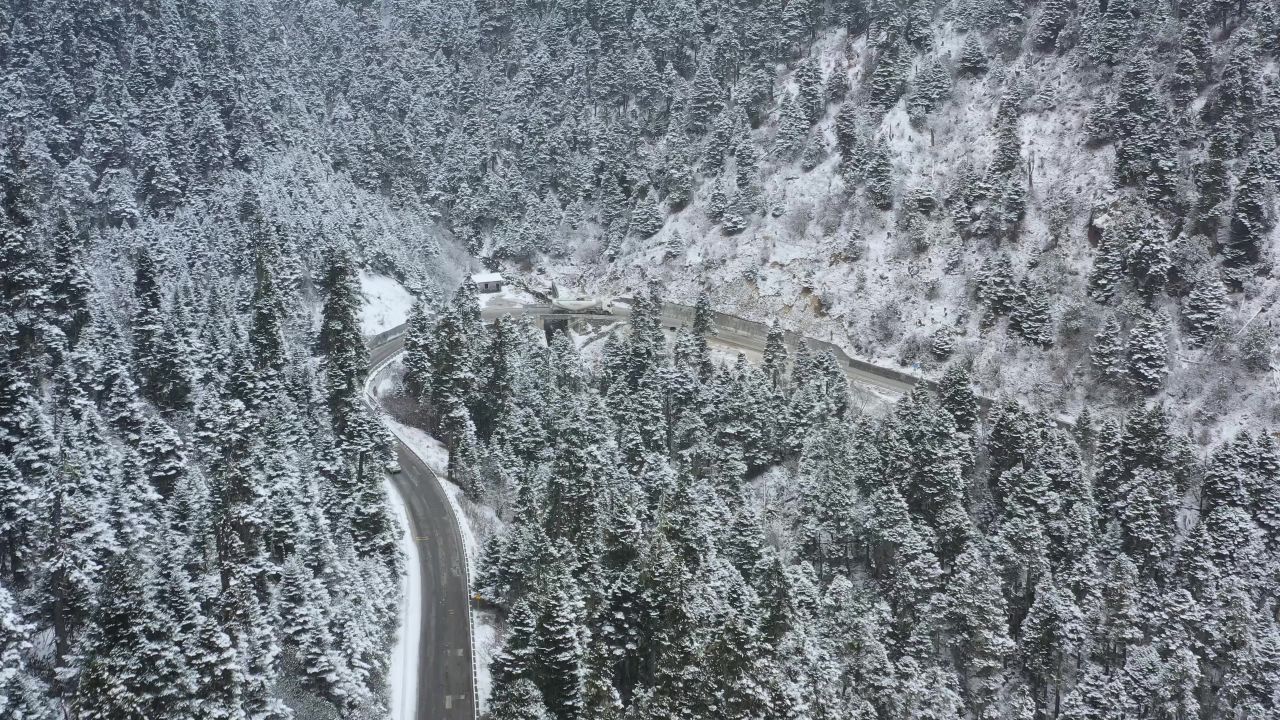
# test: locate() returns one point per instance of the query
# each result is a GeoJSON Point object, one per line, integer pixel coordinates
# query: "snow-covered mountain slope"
{"type": "Point", "coordinates": [817, 252]}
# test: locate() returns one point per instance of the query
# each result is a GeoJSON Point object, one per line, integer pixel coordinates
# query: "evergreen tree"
{"type": "Point", "coordinates": [1053, 18]}
{"type": "Point", "coordinates": [306, 607]}
{"type": "Point", "coordinates": [1148, 351]}
{"type": "Point", "coordinates": [837, 87]}
{"type": "Point", "coordinates": [975, 613]}
{"type": "Point", "coordinates": [973, 58]}
{"type": "Point", "coordinates": [1148, 261]}
{"type": "Point", "coordinates": [69, 284]}
{"type": "Point", "coordinates": [1141, 123]}
{"type": "Point", "coordinates": [1108, 269]}
{"type": "Point", "coordinates": [417, 351]}
{"type": "Point", "coordinates": [815, 152]}
{"type": "Point", "coordinates": [775, 355]}
{"type": "Point", "coordinates": [346, 359]}
{"type": "Point", "coordinates": [647, 217]}
{"type": "Point", "coordinates": [793, 127]}
{"type": "Point", "coordinates": [797, 23]}
{"type": "Point", "coordinates": [521, 701]}
{"type": "Point", "coordinates": [809, 91]}
{"type": "Point", "coordinates": [1116, 32]}
{"type": "Point", "coordinates": [955, 392]}
{"type": "Point", "coordinates": [1107, 352]}
{"type": "Point", "coordinates": [219, 675]}
{"type": "Point", "coordinates": [562, 657]}
{"type": "Point", "coordinates": [1205, 307]}
{"type": "Point", "coordinates": [1250, 221]}
{"type": "Point", "coordinates": [266, 342]}
{"type": "Point", "coordinates": [888, 81]}
{"type": "Point", "coordinates": [22, 694]}
{"type": "Point", "coordinates": [879, 175]}
{"type": "Point", "coordinates": [18, 521]}
{"type": "Point", "coordinates": [848, 134]}
{"type": "Point", "coordinates": [1030, 315]}
{"type": "Point", "coordinates": [133, 668]}
{"type": "Point", "coordinates": [148, 324]}
{"type": "Point", "coordinates": [930, 88]}
{"type": "Point", "coordinates": [706, 100]}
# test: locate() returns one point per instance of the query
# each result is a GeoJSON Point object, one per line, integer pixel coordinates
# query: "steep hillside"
{"type": "Point", "coordinates": [889, 277]}
{"type": "Point", "coordinates": [192, 515]}
{"type": "Point", "coordinates": [1073, 202]}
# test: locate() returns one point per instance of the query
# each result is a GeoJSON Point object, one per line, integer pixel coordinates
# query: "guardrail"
{"type": "Point", "coordinates": [371, 402]}
{"type": "Point", "coordinates": [755, 329]}
{"type": "Point", "coordinates": [384, 337]}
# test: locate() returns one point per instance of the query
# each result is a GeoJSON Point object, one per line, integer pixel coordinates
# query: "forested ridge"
{"type": "Point", "coordinates": [689, 538]}
{"type": "Point", "coordinates": [192, 515]}
{"type": "Point", "coordinates": [193, 522]}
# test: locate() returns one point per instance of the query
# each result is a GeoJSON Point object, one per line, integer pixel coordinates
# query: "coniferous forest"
{"type": "Point", "coordinates": [695, 539]}
{"type": "Point", "coordinates": [193, 518]}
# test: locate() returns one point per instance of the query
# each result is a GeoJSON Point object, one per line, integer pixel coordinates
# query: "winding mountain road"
{"type": "Point", "coordinates": [445, 688]}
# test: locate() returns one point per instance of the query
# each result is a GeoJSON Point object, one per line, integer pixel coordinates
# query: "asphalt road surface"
{"type": "Point", "coordinates": [445, 683]}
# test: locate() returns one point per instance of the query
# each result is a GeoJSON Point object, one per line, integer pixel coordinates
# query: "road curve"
{"type": "Point", "coordinates": [446, 684]}
{"type": "Point", "coordinates": [446, 681]}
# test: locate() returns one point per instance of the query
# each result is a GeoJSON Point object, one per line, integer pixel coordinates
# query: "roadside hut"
{"type": "Point", "coordinates": [488, 282]}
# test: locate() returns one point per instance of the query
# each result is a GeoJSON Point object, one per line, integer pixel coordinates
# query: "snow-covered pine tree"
{"type": "Point", "coordinates": [929, 89]}
{"type": "Point", "coordinates": [1148, 351]}
{"type": "Point", "coordinates": [1030, 316]}
{"type": "Point", "coordinates": [837, 87]}
{"type": "Point", "coordinates": [815, 152]}
{"type": "Point", "coordinates": [646, 216]}
{"type": "Point", "coordinates": [22, 694]}
{"type": "Point", "coordinates": [417, 351]}
{"type": "Point", "coordinates": [809, 94]}
{"type": "Point", "coordinates": [1107, 273]}
{"type": "Point", "coordinates": [1053, 18]}
{"type": "Point", "coordinates": [706, 99]}
{"type": "Point", "coordinates": [341, 342]}
{"type": "Point", "coordinates": [879, 175]}
{"type": "Point", "coordinates": [973, 58]}
{"type": "Point", "coordinates": [955, 392]}
{"type": "Point", "coordinates": [793, 128]}
{"type": "Point", "coordinates": [1116, 32]}
{"type": "Point", "coordinates": [147, 323]}
{"type": "Point", "coordinates": [69, 283]}
{"type": "Point", "coordinates": [1205, 306]}
{"type": "Point", "coordinates": [1106, 354]}
{"type": "Point", "coordinates": [888, 81]}
{"type": "Point", "coordinates": [1250, 221]}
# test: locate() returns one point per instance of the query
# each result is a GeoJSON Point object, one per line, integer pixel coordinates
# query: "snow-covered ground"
{"type": "Point", "coordinates": [386, 303]}
{"type": "Point", "coordinates": [485, 638]}
{"type": "Point", "coordinates": [826, 263]}
{"type": "Point", "coordinates": [509, 296]}
{"type": "Point", "coordinates": [403, 678]}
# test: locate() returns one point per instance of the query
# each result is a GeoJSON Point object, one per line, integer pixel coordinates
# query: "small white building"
{"type": "Point", "coordinates": [489, 282]}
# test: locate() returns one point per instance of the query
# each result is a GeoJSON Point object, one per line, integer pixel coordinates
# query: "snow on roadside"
{"type": "Point", "coordinates": [402, 676]}
{"type": "Point", "coordinates": [432, 451]}
{"type": "Point", "coordinates": [509, 296]}
{"type": "Point", "coordinates": [386, 303]}
{"type": "Point", "coordinates": [402, 680]}
{"type": "Point", "coordinates": [486, 647]}
{"type": "Point", "coordinates": [472, 518]}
